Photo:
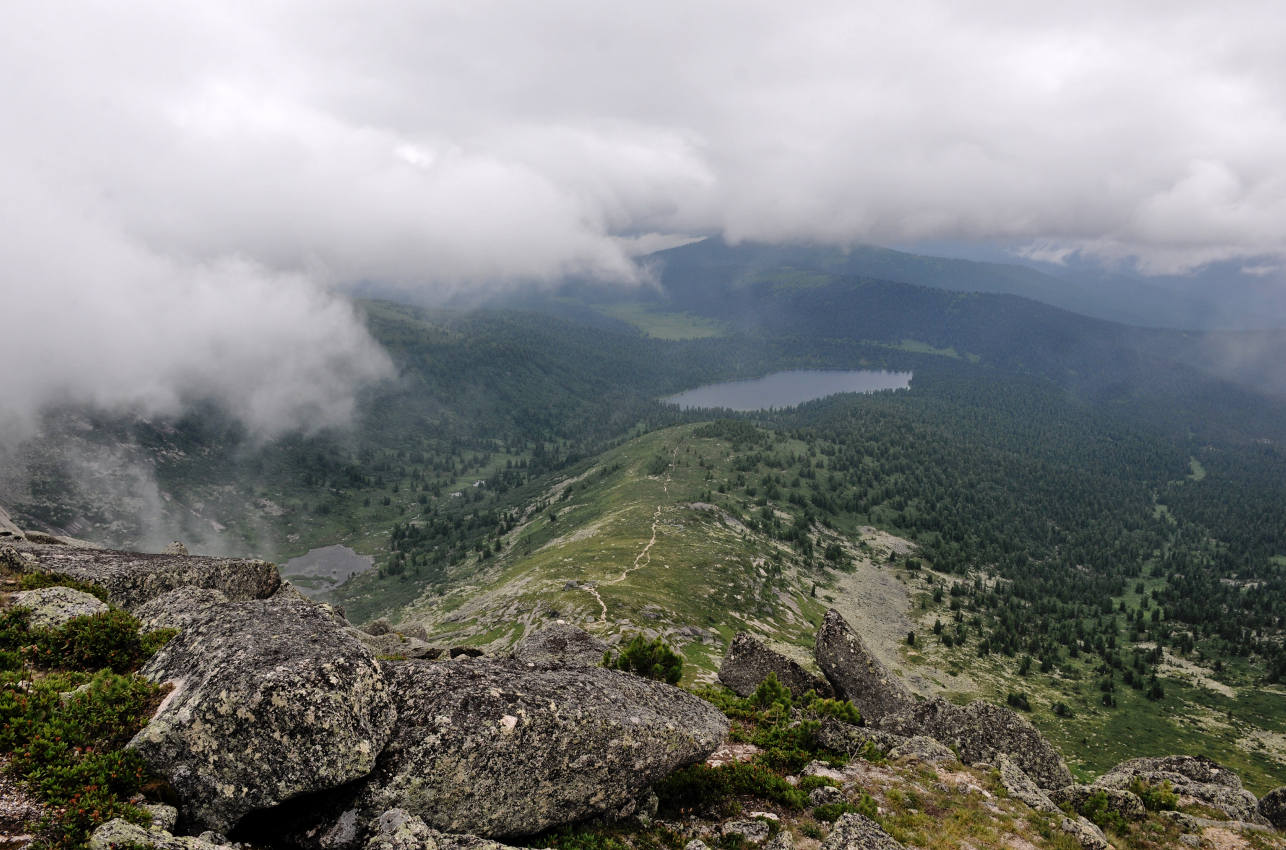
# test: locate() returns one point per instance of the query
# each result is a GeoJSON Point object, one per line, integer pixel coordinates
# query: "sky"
{"type": "Point", "coordinates": [190, 186]}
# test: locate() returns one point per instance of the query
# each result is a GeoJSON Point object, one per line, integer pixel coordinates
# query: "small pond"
{"type": "Point", "coordinates": [787, 389]}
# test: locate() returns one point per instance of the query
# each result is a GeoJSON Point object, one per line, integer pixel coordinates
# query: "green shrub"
{"type": "Point", "coordinates": [1097, 809]}
{"type": "Point", "coordinates": [110, 639]}
{"type": "Point", "coordinates": [699, 787]}
{"type": "Point", "coordinates": [1156, 798]}
{"type": "Point", "coordinates": [840, 709]}
{"type": "Point", "coordinates": [651, 659]}
{"type": "Point", "coordinates": [811, 830]}
{"type": "Point", "coordinates": [1018, 700]}
{"type": "Point", "coordinates": [830, 812]}
{"type": "Point", "coordinates": [771, 692]}
{"type": "Point", "coordinates": [809, 783]}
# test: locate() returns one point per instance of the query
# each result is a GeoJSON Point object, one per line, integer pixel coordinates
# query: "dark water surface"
{"type": "Point", "coordinates": [786, 389]}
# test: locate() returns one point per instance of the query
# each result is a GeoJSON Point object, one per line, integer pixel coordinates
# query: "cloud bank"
{"type": "Point", "coordinates": [188, 184]}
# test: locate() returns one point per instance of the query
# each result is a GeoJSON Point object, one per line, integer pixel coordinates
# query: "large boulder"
{"type": "Point", "coordinates": [1116, 800]}
{"type": "Point", "coordinates": [855, 673]}
{"type": "Point", "coordinates": [270, 700]}
{"type": "Point", "coordinates": [51, 607]}
{"type": "Point", "coordinates": [132, 578]}
{"type": "Point", "coordinates": [9, 531]}
{"type": "Point", "coordinates": [1272, 807]}
{"type": "Point", "coordinates": [119, 834]}
{"type": "Point", "coordinates": [1021, 787]}
{"type": "Point", "coordinates": [981, 732]}
{"type": "Point", "coordinates": [496, 748]}
{"type": "Point", "coordinates": [560, 645]}
{"type": "Point", "coordinates": [748, 662]}
{"type": "Point", "coordinates": [179, 609]}
{"type": "Point", "coordinates": [1198, 777]}
{"type": "Point", "coordinates": [858, 832]}
{"type": "Point", "coordinates": [397, 829]}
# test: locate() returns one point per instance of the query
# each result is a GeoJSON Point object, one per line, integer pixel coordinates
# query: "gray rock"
{"type": "Point", "coordinates": [132, 578]}
{"type": "Point", "coordinates": [496, 748]}
{"type": "Point", "coordinates": [923, 748]}
{"type": "Point", "coordinates": [175, 547]}
{"type": "Point", "coordinates": [846, 738]}
{"type": "Point", "coordinates": [395, 646]}
{"type": "Point", "coordinates": [376, 628]}
{"type": "Point", "coordinates": [51, 607]}
{"type": "Point", "coordinates": [179, 609]}
{"type": "Point", "coordinates": [858, 832]}
{"type": "Point", "coordinates": [120, 834]}
{"type": "Point", "coordinates": [271, 700]}
{"type": "Point", "coordinates": [1123, 803]}
{"type": "Point", "coordinates": [1085, 832]}
{"type": "Point", "coordinates": [781, 841]}
{"type": "Point", "coordinates": [397, 829]}
{"type": "Point", "coordinates": [163, 817]}
{"type": "Point", "coordinates": [825, 795]}
{"type": "Point", "coordinates": [1195, 776]}
{"type": "Point", "coordinates": [1272, 807]}
{"type": "Point", "coordinates": [9, 531]}
{"type": "Point", "coordinates": [696, 844]}
{"type": "Point", "coordinates": [560, 645]}
{"type": "Point", "coordinates": [855, 673]}
{"type": "Point", "coordinates": [980, 732]}
{"type": "Point", "coordinates": [748, 662]}
{"type": "Point", "coordinates": [754, 831]}
{"type": "Point", "coordinates": [1021, 787]}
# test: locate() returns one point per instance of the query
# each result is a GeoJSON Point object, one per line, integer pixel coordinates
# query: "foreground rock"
{"type": "Point", "coordinates": [855, 673]}
{"type": "Point", "coordinates": [981, 732]}
{"type": "Point", "coordinates": [496, 748]}
{"type": "Point", "coordinates": [52, 607]}
{"type": "Point", "coordinates": [560, 645]}
{"type": "Point", "coordinates": [9, 531]}
{"type": "Point", "coordinates": [1194, 776]}
{"type": "Point", "coordinates": [119, 834]}
{"type": "Point", "coordinates": [858, 832]}
{"type": "Point", "coordinates": [132, 578]}
{"type": "Point", "coordinates": [396, 829]}
{"type": "Point", "coordinates": [271, 700]}
{"type": "Point", "coordinates": [179, 609]}
{"type": "Point", "coordinates": [1272, 807]}
{"type": "Point", "coordinates": [1119, 801]}
{"type": "Point", "coordinates": [748, 662]}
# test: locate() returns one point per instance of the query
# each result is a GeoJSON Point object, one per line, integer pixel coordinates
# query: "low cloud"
{"type": "Point", "coordinates": [187, 187]}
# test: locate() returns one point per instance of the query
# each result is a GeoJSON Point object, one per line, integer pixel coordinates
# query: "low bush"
{"type": "Point", "coordinates": [651, 659]}
{"type": "Point", "coordinates": [1156, 798]}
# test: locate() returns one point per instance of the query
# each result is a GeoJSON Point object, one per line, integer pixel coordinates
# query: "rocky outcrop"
{"type": "Point", "coordinates": [496, 748]}
{"type": "Point", "coordinates": [392, 645]}
{"type": "Point", "coordinates": [855, 673]}
{"type": "Point", "coordinates": [51, 607]}
{"type": "Point", "coordinates": [923, 748]}
{"type": "Point", "coordinates": [9, 531]}
{"type": "Point", "coordinates": [120, 834]}
{"type": "Point", "coordinates": [1021, 787]}
{"type": "Point", "coordinates": [132, 578]}
{"type": "Point", "coordinates": [560, 645]}
{"type": "Point", "coordinates": [1194, 776]}
{"type": "Point", "coordinates": [846, 738]}
{"type": "Point", "coordinates": [858, 832]}
{"type": "Point", "coordinates": [1272, 807]}
{"type": "Point", "coordinates": [981, 732]}
{"type": "Point", "coordinates": [271, 700]}
{"type": "Point", "coordinates": [179, 609]}
{"type": "Point", "coordinates": [1118, 801]}
{"type": "Point", "coordinates": [748, 662]}
{"type": "Point", "coordinates": [1085, 832]}
{"type": "Point", "coordinates": [396, 829]}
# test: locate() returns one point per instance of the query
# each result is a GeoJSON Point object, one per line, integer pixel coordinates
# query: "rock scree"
{"type": "Point", "coordinates": [855, 673]}
{"type": "Point", "coordinates": [748, 662]}
{"type": "Point", "coordinates": [271, 700]}
{"type": "Point", "coordinates": [495, 748]}
{"type": "Point", "coordinates": [1195, 776]}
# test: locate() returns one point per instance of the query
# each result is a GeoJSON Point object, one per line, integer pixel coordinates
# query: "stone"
{"type": "Point", "coordinates": [1021, 787]}
{"type": "Point", "coordinates": [923, 748]}
{"type": "Point", "coordinates": [783, 840]}
{"type": "Point", "coordinates": [560, 645]}
{"type": "Point", "coordinates": [1195, 776]}
{"type": "Point", "coordinates": [271, 700]}
{"type": "Point", "coordinates": [980, 732]}
{"type": "Point", "coordinates": [163, 817]}
{"type": "Point", "coordinates": [9, 531]}
{"type": "Point", "coordinates": [132, 578]}
{"type": "Point", "coordinates": [696, 844]}
{"type": "Point", "coordinates": [753, 830]}
{"type": "Point", "coordinates": [843, 737]}
{"type": "Point", "coordinates": [52, 607]}
{"type": "Point", "coordinates": [1085, 832]}
{"type": "Point", "coordinates": [748, 662]}
{"type": "Point", "coordinates": [494, 748]}
{"type": "Point", "coordinates": [175, 547]}
{"type": "Point", "coordinates": [465, 652]}
{"type": "Point", "coordinates": [824, 795]}
{"type": "Point", "coordinates": [1272, 807]}
{"type": "Point", "coordinates": [855, 673]}
{"type": "Point", "coordinates": [395, 646]}
{"type": "Point", "coordinates": [179, 609]}
{"type": "Point", "coordinates": [858, 832]}
{"type": "Point", "coordinates": [397, 829]}
{"type": "Point", "coordinates": [119, 834]}
{"type": "Point", "coordinates": [1123, 803]}
{"type": "Point", "coordinates": [376, 628]}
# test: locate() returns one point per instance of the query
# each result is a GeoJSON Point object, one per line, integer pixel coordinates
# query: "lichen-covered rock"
{"type": "Point", "coordinates": [175, 547]}
{"type": "Point", "coordinates": [560, 645]}
{"type": "Point", "coordinates": [163, 817]}
{"type": "Point", "coordinates": [980, 732]}
{"type": "Point", "coordinates": [179, 609]}
{"type": "Point", "coordinates": [1194, 776]}
{"type": "Point", "coordinates": [1272, 807]}
{"type": "Point", "coordinates": [1085, 832]}
{"type": "Point", "coordinates": [1021, 787]}
{"type": "Point", "coordinates": [271, 700]}
{"type": "Point", "coordinates": [132, 578]}
{"type": "Point", "coordinates": [9, 531]}
{"type": "Point", "coordinates": [1119, 801]}
{"type": "Point", "coordinates": [923, 748]}
{"type": "Point", "coordinates": [393, 645]}
{"type": "Point", "coordinates": [396, 829]}
{"type": "Point", "coordinates": [496, 748]}
{"type": "Point", "coordinates": [855, 673]}
{"type": "Point", "coordinates": [858, 832]}
{"type": "Point", "coordinates": [376, 628]}
{"type": "Point", "coordinates": [51, 607]}
{"type": "Point", "coordinates": [753, 830]}
{"type": "Point", "coordinates": [118, 834]}
{"type": "Point", "coordinates": [748, 662]}
{"type": "Point", "coordinates": [846, 738]}
{"type": "Point", "coordinates": [825, 795]}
